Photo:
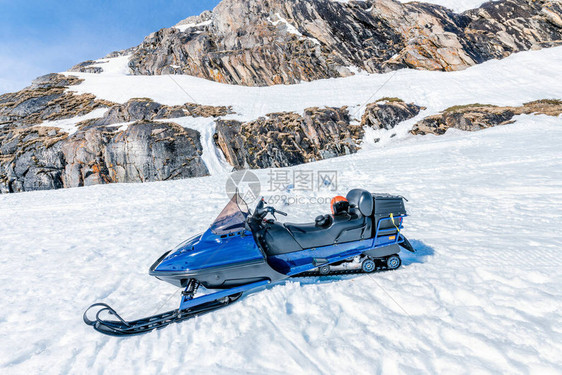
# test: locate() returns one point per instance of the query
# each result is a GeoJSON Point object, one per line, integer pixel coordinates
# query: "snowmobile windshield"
{"type": "Point", "coordinates": [232, 218]}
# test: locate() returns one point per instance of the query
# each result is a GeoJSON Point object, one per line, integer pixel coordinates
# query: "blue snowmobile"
{"type": "Point", "coordinates": [243, 251]}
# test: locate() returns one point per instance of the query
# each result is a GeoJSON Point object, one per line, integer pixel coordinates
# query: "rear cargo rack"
{"type": "Point", "coordinates": [391, 235]}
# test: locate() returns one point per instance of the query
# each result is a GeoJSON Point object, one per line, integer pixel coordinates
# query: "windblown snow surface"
{"type": "Point", "coordinates": [481, 295]}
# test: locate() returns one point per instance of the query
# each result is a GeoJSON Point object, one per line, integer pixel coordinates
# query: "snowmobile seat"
{"type": "Point", "coordinates": [343, 228]}
{"type": "Point", "coordinates": [354, 223]}
{"type": "Point", "coordinates": [361, 202]}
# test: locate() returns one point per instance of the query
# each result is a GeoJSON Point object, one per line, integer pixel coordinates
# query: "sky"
{"type": "Point", "coordinates": [44, 36]}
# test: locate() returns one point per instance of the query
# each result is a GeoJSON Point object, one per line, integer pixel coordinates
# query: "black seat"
{"type": "Point", "coordinates": [343, 228]}
{"type": "Point", "coordinates": [355, 225]}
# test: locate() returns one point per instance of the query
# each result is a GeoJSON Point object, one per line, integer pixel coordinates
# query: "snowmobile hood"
{"type": "Point", "coordinates": [207, 251]}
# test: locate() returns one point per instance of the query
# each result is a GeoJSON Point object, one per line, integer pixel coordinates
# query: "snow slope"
{"type": "Point", "coordinates": [519, 78]}
{"type": "Point", "coordinates": [482, 295]}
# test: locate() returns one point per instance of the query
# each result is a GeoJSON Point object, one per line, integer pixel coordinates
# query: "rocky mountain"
{"type": "Point", "coordinates": [267, 42]}
{"type": "Point", "coordinates": [53, 137]}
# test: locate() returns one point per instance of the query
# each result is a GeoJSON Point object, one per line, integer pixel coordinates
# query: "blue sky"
{"type": "Point", "coordinates": [43, 36]}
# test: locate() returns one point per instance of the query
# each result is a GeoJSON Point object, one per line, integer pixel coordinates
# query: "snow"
{"type": "Point", "coordinates": [456, 5]}
{"type": "Point", "coordinates": [114, 65]}
{"type": "Point", "coordinates": [212, 157]}
{"type": "Point", "coordinates": [290, 28]}
{"type": "Point", "coordinates": [186, 26]}
{"type": "Point", "coordinates": [514, 80]}
{"type": "Point", "coordinates": [69, 125]}
{"type": "Point", "coordinates": [482, 295]}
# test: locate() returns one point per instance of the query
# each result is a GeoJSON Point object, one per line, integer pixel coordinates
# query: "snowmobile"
{"type": "Point", "coordinates": [244, 251]}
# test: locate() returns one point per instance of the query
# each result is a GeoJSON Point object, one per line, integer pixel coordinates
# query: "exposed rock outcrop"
{"type": "Point", "coordinates": [386, 113]}
{"type": "Point", "coordinates": [31, 159]}
{"type": "Point", "coordinates": [474, 117]}
{"type": "Point", "coordinates": [46, 99]}
{"type": "Point", "coordinates": [146, 109]}
{"type": "Point", "coordinates": [40, 158]}
{"type": "Point", "coordinates": [284, 139]}
{"type": "Point", "coordinates": [36, 157]}
{"type": "Point", "coordinates": [256, 42]}
{"type": "Point", "coordinates": [86, 67]}
{"type": "Point", "coordinates": [145, 151]}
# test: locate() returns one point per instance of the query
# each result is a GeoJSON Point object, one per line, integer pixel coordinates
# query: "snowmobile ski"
{"type": "Point", "coordinates": [189, 308]}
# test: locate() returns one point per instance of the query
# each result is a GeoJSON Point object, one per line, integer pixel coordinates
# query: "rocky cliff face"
{"type": "Point", "coordinates": [34, 156]}
{"type": "Point", "coordinates": [474, 117]}
{"type": "Point", "coordinates": [46, 99]}
{"type": "Point", "coordinates": [266, 42]}
{"type": "Point", "coordinates": [145, 151]}
{"type": "Point", "coordinates": [386, 113]}
{"type": "Point", "coordinates": [40, 158]}
{"type": "Point", "coordinates": [285, 139]}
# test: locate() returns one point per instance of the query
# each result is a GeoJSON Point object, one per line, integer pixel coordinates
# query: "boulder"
{"type": "Point", "coordinates": [386, 113]}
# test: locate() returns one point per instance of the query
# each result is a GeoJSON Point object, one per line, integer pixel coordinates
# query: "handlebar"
{"type": "Point", "coordinates": [262, 210]}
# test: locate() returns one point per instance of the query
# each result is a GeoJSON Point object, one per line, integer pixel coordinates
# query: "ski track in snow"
{"type": "Point", "coordinates": [483, 293]}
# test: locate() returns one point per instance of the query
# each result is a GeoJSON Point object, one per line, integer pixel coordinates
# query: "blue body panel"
{"type": "Point", "coordinates": [209, 250]}
{"type": "Point", "coordinates": [305, 260]}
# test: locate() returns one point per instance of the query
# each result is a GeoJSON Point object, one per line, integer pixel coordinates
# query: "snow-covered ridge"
{"type": "Point", "coordinates": [499, 82]}
{"type": "Point", "coordinates": [116, 65]}
{"type": "Point", "coordinates": [494, 82]}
